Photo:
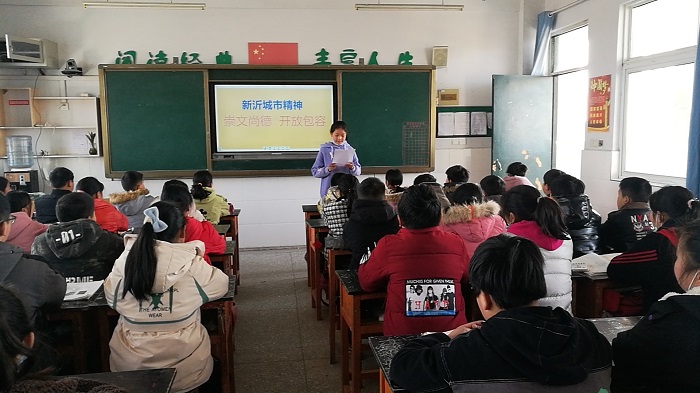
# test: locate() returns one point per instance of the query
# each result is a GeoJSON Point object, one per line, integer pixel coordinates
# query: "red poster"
{"type": "Point", "coordinates": [18, 102]}
{"type": "Point", "coordinates": [276, 53]}
{"type": "Point", "coordinates": [599, 104]}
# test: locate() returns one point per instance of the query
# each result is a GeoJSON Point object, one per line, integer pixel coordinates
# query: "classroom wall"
{"type": "Point", "coordinates": [489, 37]}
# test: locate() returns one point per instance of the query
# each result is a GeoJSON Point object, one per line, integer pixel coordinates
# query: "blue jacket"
{"type": "Point", "coordinates": [324, 159]}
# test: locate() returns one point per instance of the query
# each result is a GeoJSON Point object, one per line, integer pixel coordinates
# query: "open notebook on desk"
{"type": "Point", "coordinates": [81, 290]}
{"type": "Point", "coordinates": [592, 264]}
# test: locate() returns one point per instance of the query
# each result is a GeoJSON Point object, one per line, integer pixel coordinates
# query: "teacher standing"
{"type": "Point", "coordinates": [324, 167]}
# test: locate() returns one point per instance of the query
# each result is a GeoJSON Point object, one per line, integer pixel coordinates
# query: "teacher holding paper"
{"type": "Point", "coordinates": [336, 156]}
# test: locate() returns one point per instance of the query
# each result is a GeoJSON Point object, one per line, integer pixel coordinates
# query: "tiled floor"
{"type": "Point", "coordinates": [280, 347]}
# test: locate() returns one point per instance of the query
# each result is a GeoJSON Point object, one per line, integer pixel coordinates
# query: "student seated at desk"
{"type": "Point", "coordinates": [421, 256]}
{"type": "Point", "coordinates": [4, 186]}
{"type": "Point", "coordinates": [471, 218]}
{"type": "Point", "coordinates": [632, 221]}
{"type": "Point", "coordinates": [24, 229]}
{"type": "Point", "coordinates": [371, 219]}
{"type": "Point", "coordinates": [649, 262]}
{"type": "Point", "coordinates": [134, 200]}
{"type": "Point", "coordinates": [176, 192]}
{"type": "Point", "coordinates": [548, 178]}
{"type": "Point", "coordinates": [494, 187]}
{"type": "Point", "coordinates": [540, 220]}
{"type": "Point", "coordinates": [35, 282]}
{"type": "Point", "coordinates": [521, 345]}
{"type": "Point", "coordinates": [660, 354]}
{"type": "Point", "coordinates": [19, 357]}
{"type": "Point", "coordinates": [107, 216]}
{"type": "Point", "coordinates": [76, 246]}
{"type": "Point", "coordinates": [430, 180]}
{"type": "Point", "coordinates": [582, 221]}
{"type": "Point", "coordinates": [210, 204]}
{"type": "Point", "coordinates": [336, 213]}
{"type": "Point", "coordinates": [61, 180]}
{"type": "Point", "coordinates": [158, 285]}
{"type": "Point", "coordinates": [456, 176]}
{"type": "Point", "coordinates": [393, 180]}
{"type": "Point", "coordinates": [515, 175]}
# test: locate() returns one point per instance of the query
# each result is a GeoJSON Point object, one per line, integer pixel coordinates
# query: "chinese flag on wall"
{"type": "Point", "coordinates": [276, 53]}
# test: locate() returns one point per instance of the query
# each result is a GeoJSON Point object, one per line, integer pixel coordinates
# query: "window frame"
{"type": "Point", "coordinates": [553, 48]}
{"type": "Point", "coordinates": [631, 65]}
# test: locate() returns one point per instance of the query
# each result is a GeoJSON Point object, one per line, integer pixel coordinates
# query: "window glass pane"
{"type": "Point", "coordinates": [571, 50]}
{"type": "Point", "coordinates": [663, 25]}
{"type": "Point", "coordinates": [657, 120]}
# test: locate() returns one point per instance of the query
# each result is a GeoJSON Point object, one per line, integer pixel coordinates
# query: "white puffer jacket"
{"type": "Point", "coordinates": [557, 274]}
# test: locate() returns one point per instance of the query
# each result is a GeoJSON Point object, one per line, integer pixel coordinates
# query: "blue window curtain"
{"type": "Point", "coordinates": [545, 21]}
{"type": "Point", "coordinates": [693, 175]}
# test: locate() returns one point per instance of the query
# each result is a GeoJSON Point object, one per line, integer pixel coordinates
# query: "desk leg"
{"type": "Point", "coordinates": [317, 274]}
{"type": "Point", "coordinates": [344, 355]}
{"type": "Point", "coordinates": [332, 314]}
{"type": "Point", "coordinates": [383, 384]}
{"type": "Point", "coordinates": [105, 336]}
{"type": "Point", "coordinates": [356, 353]}
{"type": "Point", "coordinates": [308, 255]}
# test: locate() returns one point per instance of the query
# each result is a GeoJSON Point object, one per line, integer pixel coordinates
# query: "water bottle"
{"type": "Point", "coordinates": [19, 152]}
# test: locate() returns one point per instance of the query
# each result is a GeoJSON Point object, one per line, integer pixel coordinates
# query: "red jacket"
{"type": "Point", "coordinates": [109, 218]}
{"type": "Point", "coordinates": [205, 232]}
{"type": "Point", "coordinates": [410, 264]}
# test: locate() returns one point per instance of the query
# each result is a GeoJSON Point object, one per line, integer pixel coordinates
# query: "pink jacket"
{"type": "Point", "coordinates": [512, 181]}
{"type": "Point", "coordinates": [474, 223]}
{"type": "Point", "coordinates": [24, 231]}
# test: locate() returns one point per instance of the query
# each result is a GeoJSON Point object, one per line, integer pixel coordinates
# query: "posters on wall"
{"type": "Point", "coordinates": [599, 104]}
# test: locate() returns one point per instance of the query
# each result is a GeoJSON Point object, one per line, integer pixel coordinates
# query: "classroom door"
{"type": "Point", "coordinates": [523, 124]}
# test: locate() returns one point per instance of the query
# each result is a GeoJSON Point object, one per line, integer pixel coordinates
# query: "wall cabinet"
{"type": "Point", "coordinates": [58, 125]}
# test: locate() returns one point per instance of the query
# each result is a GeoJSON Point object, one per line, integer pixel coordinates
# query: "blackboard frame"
{"type": "Point", "coordinates": [212, 73]}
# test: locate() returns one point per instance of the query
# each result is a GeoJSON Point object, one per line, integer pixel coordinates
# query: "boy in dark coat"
{"type": "Point", "coordinates": [519, 347]}
{"type": "Point", "coordinates": [61, 180]}
{"type": "Point", "coordinates": [371, 219]}
{"type": "Point", "coordinates": [76, 246]}
{"type": "Point", "coordinates": [632, 221]}
{"type": "Point", "coordinates": [582, 222]}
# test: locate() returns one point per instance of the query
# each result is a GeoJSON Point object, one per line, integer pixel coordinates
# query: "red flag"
{"type": "Point", "coordinates": [277, 53]}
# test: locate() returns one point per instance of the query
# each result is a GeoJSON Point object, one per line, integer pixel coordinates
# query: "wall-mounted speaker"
{"type": "Point", "coordinates": [440, 56]}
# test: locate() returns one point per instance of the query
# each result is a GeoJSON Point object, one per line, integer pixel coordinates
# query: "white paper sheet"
{"type": "Point", "coordinates": [461, 123]}
{"type": "Point", "coordinates": [446, 124]}
{"type": "Point", "coordinates": [342, 157]}
{"type": "Point", "coordinates": [81, 290]}
{"type": "Point", "coordinates": [479, 123]}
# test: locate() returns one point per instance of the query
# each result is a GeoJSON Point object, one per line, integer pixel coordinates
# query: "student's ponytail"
{"type": "Point", "coordinates": [14, 327]}
{"type": "Point", "coordinates": [200, 180]}
{"type": "Point", "coordinates": [163, 222]}
{"type": "Point", "coordinates": [693, 210]}
{"type": "Point", "coordinates": [347, 185]}
{"type": "Point", "coordinates": [550, 218]}
{"type": "Point", "coordinates": [677, 203]}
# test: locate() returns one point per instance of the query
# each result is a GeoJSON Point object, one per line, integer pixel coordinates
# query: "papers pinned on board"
{"type": "Point", "coordinates": [342, 157]}
{"type": "Point", "coordinates": [81, 290]}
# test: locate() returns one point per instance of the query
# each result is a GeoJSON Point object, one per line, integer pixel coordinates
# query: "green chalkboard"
{"type": "Point", "coordinates": [156, 117]}
{"type": "Point", "coordinates": [156, 121]}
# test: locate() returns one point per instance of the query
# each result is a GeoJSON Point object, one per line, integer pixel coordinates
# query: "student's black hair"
{"type": "Point", "coordinates": [141, 262]}
{"type": "Point", "coordinates": [177, 195]}
{"type": "Point", "coordinates": [493, 185]}
{"type": "Point", "coordinates": [424, 178]}
{"type": "Point", "coordinates": [394, 177]}
{"type": "Point", "coordinates": [90, 186]}
{"type": "Point", "coordinates": [14, 327]}
{"type": "Point", "coordinates": [200, 180]}
{"type": "Point", "coordinates": [175, 182]}
{"type": "Point", "coordinates": [677, 202]}
{"type": "Point", "coordinates": [550, 175]}
{"type": "Point", "coordinates": [5, 210]}
{"type": "Point", "coordinates": [60, 176]}
{"type": "Point", "coordinates": [131, 180]}
{"type": "Point", "coordinates": [636, 188]}
{"type": "Point", "coordinates": [347, 185]}
{"type": "Point", "coordinates": [516, 169]}
{"type": "Point", "coordinates": [468, 194]}
{"type": "Point", "coordinates": [689, 245]}
{"type": "Point", "coordinates": [339, 124]}
{"type": "Point", "coordinates": [3, 183]}
{"type": "Point", "coordinates": [419, 207]}
{"type": "Point", "coordinates": [457, 174]}
{"type": "Point", "coordinates": [74, 206]}
{"type": "Point", "coordinates": [526, 203]}
{"type": "Point", "coordinates": [336, 178]}
{"type": "Point", "coordinates": [566, 186]}
{"type": "Point", "coordinates": [18, 200]}
{"type": "Point", "coordinates": [371, 189]}
{"type": "Point", "coordinates": [509, 269]}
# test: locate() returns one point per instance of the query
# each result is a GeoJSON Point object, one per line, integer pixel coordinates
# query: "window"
{"type": "Point", "coordinates": [658, 68]}
{"type": "Point", "coordinates": [569, 67]}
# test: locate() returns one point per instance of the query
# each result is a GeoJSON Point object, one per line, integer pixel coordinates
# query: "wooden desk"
{"type": "Point", "coordinates": [222, 229]}
{"type": "Point", "coordinates": [333, 288]}
{"type": "Point", "coordinates": [352, 329]}
{"type": "Point", "coordinates": [140, 381]}
{"type": "Point", "coordinates": [232, 221]}
{"type": "Point", "coordinates": [317, 230]}
{"type": "Point", "coordinates": [226, 261]}
{"type": "Point", "coordinates": [310, 211]}
{"type": "Point", "coordinates": [588, 294]}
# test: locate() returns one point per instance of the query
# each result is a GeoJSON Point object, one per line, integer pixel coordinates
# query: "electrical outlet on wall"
{"type": "Point", "coordinates": [64, 106]}
{"type": "Point", "coordinates": [595, 143]}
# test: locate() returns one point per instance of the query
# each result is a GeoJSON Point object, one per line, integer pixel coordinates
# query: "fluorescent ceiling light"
{"type": "Point", "coordinates": [126, 4]}
{"type": "Point", "coordinates": [412, 7]}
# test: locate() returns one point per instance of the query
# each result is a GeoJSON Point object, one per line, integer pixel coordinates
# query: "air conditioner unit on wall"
{"type": "Point", "coordinates": [17, 52]}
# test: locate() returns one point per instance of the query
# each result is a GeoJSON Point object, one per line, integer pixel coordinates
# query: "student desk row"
{"type": "Point", "coordinates": [92, 322]}
{"type": "Point", "coordinates": [310, 212]}
{"type": "Point", "coordinates": [316, 230]}
{"type": "Point", "coordinates": [232, 221]}
{"type": "Point", "coordinates": [385, 348]}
